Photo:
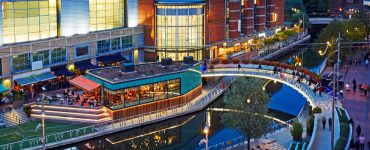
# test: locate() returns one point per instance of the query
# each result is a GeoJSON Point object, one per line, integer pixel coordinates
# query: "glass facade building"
{"type": "Point", "coordinates": [180, 30]}
{"type": "Point", "coordinates": [28, 20]}
{"type": "Point", "coordinates": [74, 17]}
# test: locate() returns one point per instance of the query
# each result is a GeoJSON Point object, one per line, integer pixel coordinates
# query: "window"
{"type": "Point", "coordinates": [42, 56]}
{"type": "Point", "coordinates": [174, 88]}
{"type": "Point", "coordinates": [116, 45]}
{"type": "Point", "coordinates": [160, 90]}
{"type": "Point", "coordinates": [21, 62]}
{"type": "Point", "coordinates": [126, 41]}
{"type": "Point", "coordinates": [140, 40]}
{"type": "Point", "coordinates": [58, 55]}
{"type": "Point", "coordinates": [82, 51]}
{"type": "Point", "coordinates": [103, 46]}
{"type": "Point", "coordinates": [131, 96]}
{"type": "Point", "coordinates": [146, 93]}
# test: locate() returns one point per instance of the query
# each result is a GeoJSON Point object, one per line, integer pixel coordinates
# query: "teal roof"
{"type": "Point", "coordinates": [3, 88]}
{"type": "Point", "coordinates": [35, 78]}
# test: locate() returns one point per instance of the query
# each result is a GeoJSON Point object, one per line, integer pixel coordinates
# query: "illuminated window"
{"type": "Point", "coordinates": [106, 14]}
{"type": "Point", "coordinates": [126, 41]}
{"type": "Point", "coordinates": [22, 62]}
{"type": "Point", "coordinates": [180, 27]}
{"type": "Point", "coordinates": [58, 55]}
{"type": "Point", "coordinates": [42, 56]}
{"type": "Point", "coordinates": [29, 20]}
{"type": "Point", "coordinates": [274, 17]}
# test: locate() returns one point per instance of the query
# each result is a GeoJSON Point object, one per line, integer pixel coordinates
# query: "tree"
{"type": "Point", "coordinates": [297, 131]}
{"type": "Point", "coordinates": [250, 105]}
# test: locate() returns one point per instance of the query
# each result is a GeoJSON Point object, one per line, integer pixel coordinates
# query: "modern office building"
{"type": "Point", "coordinates": [37, 36]}
{"type": "Point", "coordinates": [199, 28]}
{"type": "Point", "coordinates": [44, 39]}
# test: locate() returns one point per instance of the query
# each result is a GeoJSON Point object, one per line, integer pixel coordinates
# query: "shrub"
{"type": "Point", "coordinates": [317, 110]}
{"type": "Point", "coordinates": [235, 61]}
{"type": "Point", "coordinates": [297, 131]}
{"type": "Point", "coordinates": [310, 125]}
{"type": "Point", "coordinates": [27, 110]}
{"type": "Point", "coordinates": [225, 61]}
{"type": "Point", "coordinates": [269, 41]}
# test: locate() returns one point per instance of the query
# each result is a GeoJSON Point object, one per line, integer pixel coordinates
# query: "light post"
{"type": "Point", "coordinates": [335, 84]}
{"type": "Point", "coordinates": [206, 131]}
{"type": "Point", "coordinates": [43, 118]}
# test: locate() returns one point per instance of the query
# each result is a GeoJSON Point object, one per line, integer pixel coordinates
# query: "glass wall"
{"type": "Point", "coordinates": [22, 62]}
{"type": "Point", "coordinates": [58, 55]}
{"type": "Point", "coordinates": [180, 28]}
{"type": "Point", "coordinates": [74, 17]}
{"type": "Point", "coordinates": [142, 94]}
{"type": "Point", "coordinates": [103, 46]}
{"type": "Point", "coordinates": [106, 14]}
{"type": "Point", "coordinates": [28, 20]}
{"type": "Point", "coordinates": [127, 41]}
{"type": "Point", "coordinates": [43, 56]}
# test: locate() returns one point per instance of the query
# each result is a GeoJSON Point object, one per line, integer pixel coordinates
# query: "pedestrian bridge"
{"type": "Point", "coordinates": [322, 20]}
{"type": "Point", "coordinates": [266, 72]}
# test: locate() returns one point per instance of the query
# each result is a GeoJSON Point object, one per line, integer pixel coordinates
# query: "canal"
{"type": "Point", "coordinates": [186, 132]}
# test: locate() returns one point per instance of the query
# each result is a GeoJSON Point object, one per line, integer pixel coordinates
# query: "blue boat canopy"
{"type": "Point", "coordinates": [85, 64]}
{"type": "Point", "coordinates": [34, 77]}
{"type": "Point", "coordinates": [109, 59]}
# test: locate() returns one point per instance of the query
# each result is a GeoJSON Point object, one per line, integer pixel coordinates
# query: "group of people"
{"type": "Point", "coordinates": [72, 97]}
{"type": "Point", "coordinates": [362, 88]}
{"type": "Point", "coordinates": [330, 122]}
{"type": "Point", "coordinates": [359, 142]}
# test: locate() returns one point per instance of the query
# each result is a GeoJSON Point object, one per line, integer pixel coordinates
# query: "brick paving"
{"type": "Point", "coordinates": [357, 105]}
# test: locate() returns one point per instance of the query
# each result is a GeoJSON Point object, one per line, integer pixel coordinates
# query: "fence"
{"type": "Point", "coordinates": [121, 124]}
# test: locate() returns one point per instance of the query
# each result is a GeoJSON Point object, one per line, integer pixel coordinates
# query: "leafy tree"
{"type": "Point", "coordinates": [297, 131]}
{"type": "Point", "coordinates": [250, 105]}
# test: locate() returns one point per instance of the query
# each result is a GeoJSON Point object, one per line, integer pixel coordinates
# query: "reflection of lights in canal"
{"type": "Point", "coordinates": [157, 138]}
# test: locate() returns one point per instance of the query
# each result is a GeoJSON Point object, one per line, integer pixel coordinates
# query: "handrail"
{"type": "Point", "coordinates": [130, 121]}
{"type": "Point", "coordinates": [350, 132]}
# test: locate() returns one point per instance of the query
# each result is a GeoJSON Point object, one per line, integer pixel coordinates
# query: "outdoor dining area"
{"type": "Point", "coordinates": [83, 92]}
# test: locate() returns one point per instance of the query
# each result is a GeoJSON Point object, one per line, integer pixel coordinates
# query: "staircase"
{"type": "Point", "coordinates": [14, 117]}
{"type": "Point", "coordinates": [71, 113]}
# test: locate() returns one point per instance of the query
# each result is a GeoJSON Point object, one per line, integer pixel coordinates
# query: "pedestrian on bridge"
{"type": "Point", "coordinates": [358, 130]}
{"type": "Point", "coordinates": [367, 63]}
{"type": "Point", "coordinates": [354, 85]}
{"type": "Point", "coordinates": [330, 123]}
{"type": "Point", "coordinates": [239, 66]}
{"type": "Point", "coordinates": [323, 122]}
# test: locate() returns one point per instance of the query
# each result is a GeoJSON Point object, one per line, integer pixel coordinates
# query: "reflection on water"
{"type": "Point", "coordinates": [306, 56]}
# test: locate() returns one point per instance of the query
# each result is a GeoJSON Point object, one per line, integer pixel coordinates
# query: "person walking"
{"type": "Point", "coordinates": [364, 88]}
{"type": "Point", "coordinates": [323, 122]}
{"type": "Point", "coordinates": [320, 90]}
{"type": "Point", "coordinates": [362, 142]}
{"type": "Point", "coordinates": [354, 86]}
{"type": "Point", "coordinates": [358, 130]}
{"type": "Point", "coordinates": [330, 123]}
{"type": "Point", "coordinates": [348, 88]}
{"type": "Point", "coordinates": [239, 66]}
{"type": "Point", "coordinates": [367, 63]}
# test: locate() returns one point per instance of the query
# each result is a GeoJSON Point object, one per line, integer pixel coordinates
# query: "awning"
{"type": "Point", "coordinates": [34, 77]}
{"type": "Point", "coordinates": [83, 65]}
{"type": "Point", "coordinates": [3, 88]}
{"type": "Point", "coordinates": [62, 70]}
{"type": "Point", "coordinates": [84, 83]}
{"type": "Point", "coordinates": [109, 59]}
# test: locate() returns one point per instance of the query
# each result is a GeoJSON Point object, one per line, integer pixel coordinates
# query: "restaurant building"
{"type": "Point", "coordinates": [147, 87]}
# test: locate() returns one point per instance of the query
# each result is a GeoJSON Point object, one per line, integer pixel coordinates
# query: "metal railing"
{"type": "Point", "coordinates": [124, 123]}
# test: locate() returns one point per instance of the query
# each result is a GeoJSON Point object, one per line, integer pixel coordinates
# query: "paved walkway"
{"type": "Point", "coordinates": [357, 105]}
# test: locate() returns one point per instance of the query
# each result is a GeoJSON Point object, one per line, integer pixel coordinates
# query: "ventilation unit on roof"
{"type": "Point", "coordinates": [166, 62]}
{"type": "Point", "coordinates": [128, 66]}
{"type": "Point", "coordinates": [188, 60]}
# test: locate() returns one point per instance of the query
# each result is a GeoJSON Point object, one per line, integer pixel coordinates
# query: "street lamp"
{"type": "Point", "coordinates": [43, 118]}
{"type": "Point", "coordinates": [206, 131]}
{"type": "Point", "coordinates": [335, 84]}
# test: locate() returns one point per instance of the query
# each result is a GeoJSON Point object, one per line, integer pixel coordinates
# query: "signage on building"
{"type": "Point", "coordinates": [37, 65]}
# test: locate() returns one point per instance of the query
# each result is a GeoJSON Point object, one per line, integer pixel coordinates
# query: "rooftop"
{"type": "Point", "coordinates": [114, 74]}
